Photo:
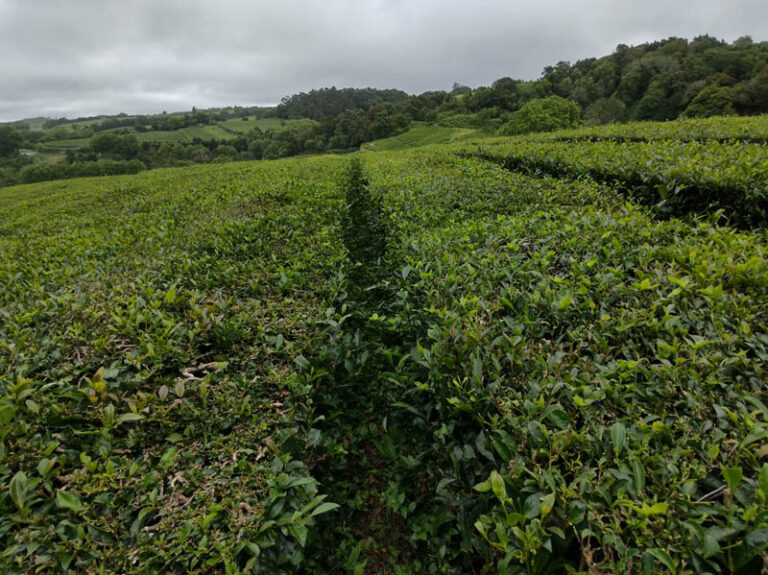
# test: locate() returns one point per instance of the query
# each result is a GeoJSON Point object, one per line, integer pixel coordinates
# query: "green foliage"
{"type": "Point", "coordinates": [542, 376]}
{"type": "Point", "coordinates": [188, 135]}
{"type": "Point", "coordinates": [751, 97]}
{"type": "Point", "coordinates": [8, 177]}
{"type": "Point", "coordinates": [544, 115]}
{"type": "Point", "coordinates": [331, 102]}
{"type": "Point", "coordinates": [420, 134]}
{"type": "Point", "coordinates": [578, 334]}
{"type": "Point", "coordinates": [224, 151]}
{"type": "Point", "coordinates": [550, 372]}
{"type": "Point", "coordinates": [751, 129]}
{"type": "Point", "coordinates": [10, 141]}
{"type": "Point", "coordinates": [711, 101]}
{"type": "Point", "coordinates": [147, 415]}
{"type": "Point", "coordinates": [678, 178]}
{"type": "Point", "coordinates": [245, 125]}
{"type": "Point", "coordinates": [44, 172]}
{"type": "Point", "coordinates": [363, 224]}
{"type": "Point", "coordinates": [605, 111]}
{"type": "Point", "coordinates": [116, 147]}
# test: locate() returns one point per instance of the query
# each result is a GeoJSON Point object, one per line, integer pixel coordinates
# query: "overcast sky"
{"type": "Point", "coordinates": [85, 57]}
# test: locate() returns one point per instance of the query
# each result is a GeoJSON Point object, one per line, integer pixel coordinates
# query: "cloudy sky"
{"type": "Point", "coordinates": [82, 57]}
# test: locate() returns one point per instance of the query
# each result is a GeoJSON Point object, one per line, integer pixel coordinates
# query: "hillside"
{"type": "Point", "coordinates": [663, 80]}
{"type": "Point", "coordinates": [542, 354]}
{"type": "Point", "coordinates": [420, 134]}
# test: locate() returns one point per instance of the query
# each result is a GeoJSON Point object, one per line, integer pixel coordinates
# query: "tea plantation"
{"type": "Point", "coordinates": [543, 354]}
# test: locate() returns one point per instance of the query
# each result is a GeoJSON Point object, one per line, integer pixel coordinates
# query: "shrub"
{"type": "Point", "coordinates": [543, 115]}
{"type": "Point", "coordinates": [363, 227]}
{"type": "Point", "coordinates": [711, 101]}
{"type": "Point", "coordinates": [605, 111]}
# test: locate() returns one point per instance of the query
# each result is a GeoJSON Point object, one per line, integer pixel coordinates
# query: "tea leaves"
{"type": "Point", "coordinates": [440, 365]}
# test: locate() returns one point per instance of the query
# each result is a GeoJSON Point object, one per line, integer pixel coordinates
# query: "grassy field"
{"type": "Point", "coordinates": [545, 371]}
{"type": "Point", "coordinates": [420, 134]}
{"type": "Point", "coordinates": [211, 132]}
{"type": "Point", "coordinates": [243, 127]}
{"type": "Point", "coordinates": [227, 130]}
{"type": "Point", "coordinates": [72, 144]}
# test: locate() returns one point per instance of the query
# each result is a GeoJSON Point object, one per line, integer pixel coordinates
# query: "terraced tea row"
{"type": "Point", "coordinates": [678, 178]}
{"type": "Point", "coordinates": [149, 328]}
{"type": "Point", "coordinates": [752, 129]}
{"type": "Point", "coordinates": [613, 366]}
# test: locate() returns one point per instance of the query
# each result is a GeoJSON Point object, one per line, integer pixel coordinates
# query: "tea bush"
{"type": "Point", "coordinates": [677, 178]}
{"type": "Point", "coordinates": [542, 377]}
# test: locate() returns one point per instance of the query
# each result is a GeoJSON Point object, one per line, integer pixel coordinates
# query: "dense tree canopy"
{"type": "Point", "coordinates": [660, 80]}
{"type": "Point", "coordinates": [113, 146]}
{"type": "Point", "coordinates": [331, 102]}
{"type": "Point", "coordinates": [10, 141]}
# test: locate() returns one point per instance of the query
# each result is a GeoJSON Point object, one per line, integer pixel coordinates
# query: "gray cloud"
{"type": "Point", "coordinates": [82, 57]}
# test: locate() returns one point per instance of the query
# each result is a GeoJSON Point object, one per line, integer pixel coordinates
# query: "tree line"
{"type": "Point", "coordinates": [653, 81]}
